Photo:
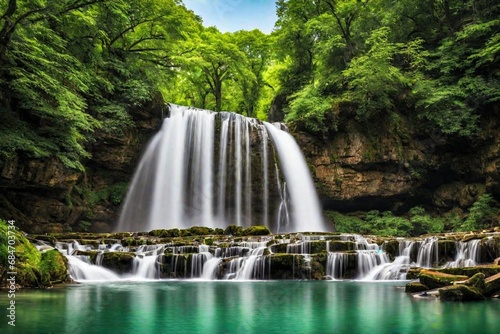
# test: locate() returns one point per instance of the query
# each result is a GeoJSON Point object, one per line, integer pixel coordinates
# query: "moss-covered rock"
{"type": "Point", "coordinates": [341, 246]}
{"type": "Point", "coordinates": [288, 266]}
{"type": "Point", "coordinates": [32, 268]}
{"type": "Point", "coordinates": [54, 266]}
{"type": "Point", "coordinates": [477, 281]}
{"type": "Point", "coordinates": [391, 247]}
{"type": "Point", "coordinates": [434, 279]}
{"type": "Point", "coordinates": [492, 285]}
{"type": "Point", "coordinates": [119, 262]}
{"type": "Point", "coordinates": [460, 293]}
{"type": "Point", "coordinates": [233, 230]}
{"type": "Point", "coordinates": [413, 273]}
{"type": "Point", "coordinates": [171, 233]}
{"type": "Point", "coordinates": [318, 246]}
{"type": "Point", "coordinates": [197, 230]}
{"type": "Point", "coordinates": [174, 266]}
{"type": "Point", "coordinates": [471, 271]}
{"type": "Point", "coordinates": [415, 287]}
{"type": "Point", "coordinates": [256, 230]}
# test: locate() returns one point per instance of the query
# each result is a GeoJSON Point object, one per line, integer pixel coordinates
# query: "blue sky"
{"type": "Point", "coordinates": [234, 15]}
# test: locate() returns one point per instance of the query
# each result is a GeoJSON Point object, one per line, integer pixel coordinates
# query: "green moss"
{"type": "Point", "coordinates": [120, 262]}
{"type": "Point", "coordinates": [55, 266]}
{"type": "Point", "coordinates": [471, 271]}
{"type": "Point", "coordinates": [415, 287]}
{"type": "Point", "coordinates": [233, 230]}
{"type": "Point", "coordinates": [256, 230]}
{"type": "Point", "coordinates": [171, 233]}
{"type": "Point", "coordinates": [434, 279]}
{"type": "Point", "coordinates": [27, 262]}
{"type": "Point", "coordinates": [460, 293]}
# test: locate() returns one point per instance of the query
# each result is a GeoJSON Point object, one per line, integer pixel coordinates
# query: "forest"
{"type": "Point", "coordinates": [71, 68]}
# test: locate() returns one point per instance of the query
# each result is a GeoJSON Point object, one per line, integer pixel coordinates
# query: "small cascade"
{"type": "Point", "coordinates": [292, 256]}
{"type": "Point", "coordinates": [395, 270]}
{"type": "Point", "coordinates": [428, 254]}
{"type": "Point", "coordinates": [198, 261]}
{"type": "Point", "coordinates": [145, 262]}
{"type": "Point", "coordinates": [214, 169]}
{"type": "Point", "coordinates": [336, 265]}
{"type": "Point", "coordinates": [369, 260]}
{"type": "Point", "coordinates": [468, 254]}
{"type": "Point", "coordinates": [300, 248]}
{"type": "Point", "coordinates": [210, 268]}
{"type": "Point", "coordinates": [81, 269]}
{"type": "Point", "coordinates": [253, 266]}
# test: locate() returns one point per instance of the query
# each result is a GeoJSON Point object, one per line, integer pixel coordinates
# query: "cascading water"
{"type": "Point", "coordinates": [289, 256]}
{"type": "Point", "coordinates": [468, 254]}
{"type": "Point", "coordinates": [213, 169]}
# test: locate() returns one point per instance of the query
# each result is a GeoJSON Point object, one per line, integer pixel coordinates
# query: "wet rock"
{"type": "Point", "coordinates": [477, 281]}
{"type": "Point", "coordinates": [460, 293]}
{"type": "Point", "coordinates": [119, 262]}
{"type": "Point", "coordinates": [415, 287]}
{"type": "Point", "coordinates": [492, 285]}
{"type": "Point", "coordinates": [434, 279]}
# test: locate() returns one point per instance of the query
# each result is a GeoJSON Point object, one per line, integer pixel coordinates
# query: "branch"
{"type": "Point", "coordinates": [120, 35]}
{"type": "Point", "coordinates": [77, 5]}
{"type": "Point", "coordinates": [142, 39]}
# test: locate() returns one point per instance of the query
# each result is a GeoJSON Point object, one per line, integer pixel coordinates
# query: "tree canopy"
{"type": "Point", "coordinates": [70, 67]}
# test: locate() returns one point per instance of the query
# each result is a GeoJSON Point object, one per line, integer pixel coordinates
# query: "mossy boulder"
{"type": "Point", "coordinates": [413, 273]}
{"type": "Point", "coordinates": [55, 266]}
{"type": "Point", "coordinates": [415, 287]}
{"type": "Point", "coordinates": [492, 285]}
{"type": "Point", "coordinates": [477, 281]}
{"type": "Point", "coordinates": [33, 269]}
{"type": "Point", "coordinates": [460, 293]}
{"type": "Point", "coordinates": [197, 230]}
{"type": "Point", "coordinates": [119, 262]}
{"type": "Point", "coordinates": [233, 230]}
{"type": "Point", "coordinates": [434, 279]}
{"type": "Point", "coordinates": [171, 233]}
{"type": "Point", "coordinates": [471, 271]}
{"type": "Point", "coordinates": [256, 230]}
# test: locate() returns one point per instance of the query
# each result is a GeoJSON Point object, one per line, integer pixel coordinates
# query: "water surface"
{"type": "Point", "coordinates": [243, 307]}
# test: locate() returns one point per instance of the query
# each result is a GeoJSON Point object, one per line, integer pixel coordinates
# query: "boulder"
{"type": "Point", "coordinates": [477, 281]}
{"type": "Point", "coordinates": [492, 285]}
{"type": "Point", "coordinates": [434, 279]}
{"type": "Point", "coordinates": [415, 287]}
{"type": "Point", "coordinates": [460, 293]}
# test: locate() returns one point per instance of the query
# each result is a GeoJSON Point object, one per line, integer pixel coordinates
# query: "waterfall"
{"type": "Point", "coordinates": [336, 265]}
{"type": "Point", "coordinates": [145, 263]}
{"type": "Point", "coordinates": [81, 269]}
{"type": "Point", "coordinates": [368, 260]}
{"type": "Point", "coordinates": [468, 254]}
{"type": "Point", "coordinates": [428, 255]}
{"type": "Point", "coordinates": [213, 169]}
{"type": "Point", "coordinates": [303, 197]}
{"type": "Point", "coordinates": [253, 266]}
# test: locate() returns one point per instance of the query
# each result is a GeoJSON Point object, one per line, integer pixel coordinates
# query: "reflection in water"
{"type": "Point", "coordinates": [243, 307]}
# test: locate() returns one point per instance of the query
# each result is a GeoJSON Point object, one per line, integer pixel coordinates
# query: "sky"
{"type": "Point", "coordinates": [234, 15]}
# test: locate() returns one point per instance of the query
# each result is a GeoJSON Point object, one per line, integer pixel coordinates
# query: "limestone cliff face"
{"type": "Point", "coordinates": [398, 168]}
{"type": "Point", "coordinates": [42, 195]}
